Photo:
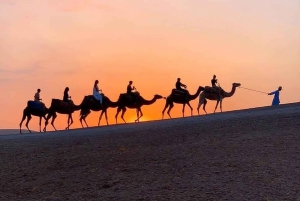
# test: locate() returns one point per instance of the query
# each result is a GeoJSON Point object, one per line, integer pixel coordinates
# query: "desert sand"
{"type": "Point", "coordinates": [240, 155]}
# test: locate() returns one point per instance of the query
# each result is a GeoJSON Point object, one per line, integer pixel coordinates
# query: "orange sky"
{"type": "Point", "coordinates": [57, 43]}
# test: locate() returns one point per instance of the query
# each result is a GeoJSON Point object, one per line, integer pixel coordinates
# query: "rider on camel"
{"type": "Point", "coordinates": [66, 97]}
{"type": "Point", "coordinates": [214, 81]}
{"type": "Point", "coordinates": [179, 85]}
{"type": "Point", "coordinates": [130, 89]}
{"type": "Point", "coordinates": [96, 92]}
{"type": "Point", "coordinates": [37, 96]}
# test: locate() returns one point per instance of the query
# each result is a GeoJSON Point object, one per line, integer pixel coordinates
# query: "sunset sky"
{"type": "Point", "coordinates": [52, 44]}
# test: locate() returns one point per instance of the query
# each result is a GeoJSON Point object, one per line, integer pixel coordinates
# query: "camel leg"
{"type": "Point", "coordinates": [83, 117]}
{"type": "Point", "coordinates": [46, 122]}
{"type": "Point", "coordinates": [106, 117]}
{"type": "Point", "coordinates": [40, 123]}
{"type": "Point", "coordinates": [216, 105]}
{"type": "Point", "coordinates": [69, 118]}
{"type": "Point", "coordinates": [27, 122]}
{"type": "Point", "coordinates": [123, 112]}
{"type": "Point", "coordinates": [100, 117]}
{"type": "Point", "coordinates": [80, 119]}
{"type": "Point", "coordinates": [138, 117]}
{"type": "Point", "coordinates": [199, 105]}
{"type": "Point", "coordinates": [53, 118]}
{"type": "Point", "coordinates": [23, 118]}
{"type": "Point", "coordinates": [221, 105]}
{"type": "Point", "coordinates": [118, 111]}
{"type": "Point", "coordinates": [190, 108]}
{"type": "Point", "coordinates": [85, 122]}
{"type": "Point", "coordinates": [166, 106]}
{"type": "Point", "coordinates": [201, 101]}
{"type": "Point", "coordinates": [183, 109]}
{"type": "Point", "coordinates": [204, 105]}
{"type": "Point", "coordinates": [171, 106]}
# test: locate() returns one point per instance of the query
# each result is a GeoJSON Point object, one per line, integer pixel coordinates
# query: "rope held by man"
{"type": "Point", "coordinates": [254, 90]}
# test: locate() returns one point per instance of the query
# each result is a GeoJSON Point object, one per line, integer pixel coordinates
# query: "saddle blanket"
{"type": "Point", "coordinates": [35, 105]}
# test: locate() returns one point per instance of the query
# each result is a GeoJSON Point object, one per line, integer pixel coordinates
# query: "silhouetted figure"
{"type": "Point", "coordinates": [130, 90]}
{"type": "Point", "coordinates": [214, 82]}
{"type": "Point", "coordinates": [96, 92]}
{"type": "Point", "coordinates": [37, 96]}
{"type": "Point", "coordinates": [66, 97]}
{"type": "Point", "coordinates": [178, 86]}
{"type": "Point", "coordinates": [276, 100]}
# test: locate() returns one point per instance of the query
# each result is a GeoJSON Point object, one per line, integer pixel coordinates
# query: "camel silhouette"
{"type": "Point", "coordinates": [61, 107]}
{"type": "Point", "coordinates": [178, 97]}
{"type": "Point", "coordinates": [211, 94]}
{"type": "Point", "coordinates": [90, 103]}
{"type": "Point", "coordinates": [36, 109]}
{"type": "Point", "coordinates": [126, 101]}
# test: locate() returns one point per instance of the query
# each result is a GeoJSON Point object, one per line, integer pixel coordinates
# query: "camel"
{"type": "Point", "coordinates": [125, 101]}
{"type": "Point", "coordinates": [90, 103]}
{"type": "Point", "coordinates": [36, 109]}
{"type": "Point", "coordinates": [61, 107]}
{"type": "Point", "coordinates": [177, 96]}
{"type": "Point", "coordinates": [210, 94]}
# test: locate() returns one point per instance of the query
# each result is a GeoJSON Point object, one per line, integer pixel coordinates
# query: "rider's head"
{"type": "Point", "coordinates": [96, 81]}
{"type": "Point", "coordinates": [178, 79]}
{"type": "Point", "coordinates": [215, 76]}
{"type": "Point", "coordinates": [130, 82]}
{"type": "Point", "coordinates": [66, 89]}
{"type": "Point", "coordinates": [279, 88]}
{"type": "Point", "coordinates": [38, 90]}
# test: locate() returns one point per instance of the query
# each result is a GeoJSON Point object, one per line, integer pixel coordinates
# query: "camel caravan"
{"type": "Point", "coordinates": [129, 100]}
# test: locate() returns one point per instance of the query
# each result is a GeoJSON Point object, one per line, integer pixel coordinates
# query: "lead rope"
{"type": "Point", "coordinates": [254, 90]}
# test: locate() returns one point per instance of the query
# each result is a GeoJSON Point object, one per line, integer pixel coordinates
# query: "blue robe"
{"type": "Point", "coordinates": [276, 100]}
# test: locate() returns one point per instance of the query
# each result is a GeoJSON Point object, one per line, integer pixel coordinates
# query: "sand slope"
{"type": "Point", "coordinates": [13, 131]}
{"type": "Point", "coordinates": [240, 155]}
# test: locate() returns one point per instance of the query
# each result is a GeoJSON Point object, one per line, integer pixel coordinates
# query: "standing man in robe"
{"type": "Point", "coordinates": [276, 100]}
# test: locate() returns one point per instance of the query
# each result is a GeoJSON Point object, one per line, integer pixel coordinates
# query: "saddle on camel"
{"type": "Point", "coordinates": [36, 106]}
{"type": "Point", "coordinates": [130, 96]}
{"type": "Point", "coordinates": [178, 91]}
{"type": "Point", "coordinates": [214, 88]}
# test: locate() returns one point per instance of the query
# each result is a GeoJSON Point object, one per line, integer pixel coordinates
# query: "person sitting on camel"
{"type": "Point", "coordinates": [216, 88]}
{"type": "Point", "coordinates": [130, 89]}
{"type": "Point", "coordinates": [37, 96]}
{"type": "Point", "coordinates": [97, 92]}
{"type": "Point", "coordinates": [179, 85]}
{"type": "Point", "coordinates": [66, 97]}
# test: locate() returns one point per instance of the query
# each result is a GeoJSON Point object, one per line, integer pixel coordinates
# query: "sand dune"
{"type": "Point", "coordinates": [12, 131]}
{"type": "Point", "coordinates": [240, 155]}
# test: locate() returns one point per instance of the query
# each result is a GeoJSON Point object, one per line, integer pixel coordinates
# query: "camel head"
{"type": "Point", "coordinates": [236, 84]}
{"type": "Point", "coordinates": [156, 96]}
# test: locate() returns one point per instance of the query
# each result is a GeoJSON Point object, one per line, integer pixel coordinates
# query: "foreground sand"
{"type": "Point", "coordinates": [241, 155]}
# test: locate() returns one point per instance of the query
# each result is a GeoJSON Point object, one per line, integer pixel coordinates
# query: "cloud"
{"type": "Point", "coordinates": [36, 67]}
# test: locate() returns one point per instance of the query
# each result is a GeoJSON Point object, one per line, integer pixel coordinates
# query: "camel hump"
{"type": "Point", "coordinates": [61, 103]}
{"type": "Point", "coordinates": [36, 105]}
{"type": "Point", "coordinates": [176, 92]}
{"type": "Point", "coordinates": [209, 89]}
